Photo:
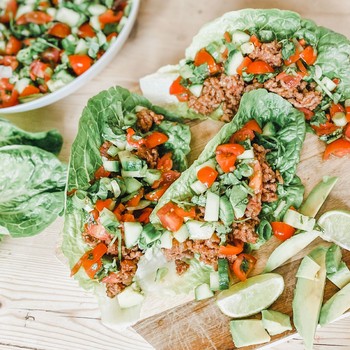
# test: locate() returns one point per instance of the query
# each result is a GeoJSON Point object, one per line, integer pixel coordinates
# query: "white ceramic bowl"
{"type": "Point", "coordinates": [84, 78]}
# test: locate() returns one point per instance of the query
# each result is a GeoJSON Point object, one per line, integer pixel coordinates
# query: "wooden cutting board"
{"type": "Point", "coordinates": [201, 325]}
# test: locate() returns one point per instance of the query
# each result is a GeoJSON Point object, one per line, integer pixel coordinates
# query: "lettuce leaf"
{"type": "Point", "coordinates": [264, 107]}
{"type": "Point", "coordinates": [10, 134]}
{"type": "Point", "coordinates": [32, 189]}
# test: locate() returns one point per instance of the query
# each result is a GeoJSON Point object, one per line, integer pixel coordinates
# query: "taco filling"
{"type": "Point", "coordinates": [138, 164]}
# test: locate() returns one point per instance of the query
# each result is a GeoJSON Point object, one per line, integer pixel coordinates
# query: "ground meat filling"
{"type": "Point", "coordinates": [268, 52]}
{"type": "Point", "coordinates": [146, 118]}
{"type": "Point", "coordinates": [221, 90]}
{"type": "Point", "coordinates": [150, 155]}
{"type": "Point", "coordinates": [303, 95]}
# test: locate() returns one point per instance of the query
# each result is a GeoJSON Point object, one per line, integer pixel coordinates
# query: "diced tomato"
{"type": "Point", "coordinates": [40, 70]}
{"type": "Point", "coordinates": [118, 211]}
{"type": "Point", "coordinates": [347, 131]}
{"type": "Point", "coordinates": [335, 108]}
{"type": "Point", "coordinates": [242, 135]}
{"type": "Point", "coordinates": [128, 218]}
{"type": "Point", "coordinates": [51, 55]}
{"type": "Point", "coordinates": [130, 139]}
{"type": "Point", "coordinates": [90, 261]}
{"type": "Point", "coordinates": [144, 217]}
{"type": "Point", "coordinates": [59, 30]}
{"type": "Point", "coordinates": [254, 39]}
{"type": "Point", "coordinates": [9, 61]}
{"type": "Point", "coordinates": [167, 177]}
{"type": "Point", "coordinates": [202, 57]}
{"type": "Point", "coordinates": [185, 213]}
{"type": "Point", "coordinates": [155, 139]}
{"type": "Point", "coordinates": [111, 36]}
{"type": "Point", "coordinates": [302, 68]}
{"type": "Point", "coordinates": [253, 125]}
{"type": "Point", "coordinates": [207, 175]}
{"type": "Point", "coordinates": [309, 55]}
{"type": "Point", "coordinates": [177, 89]}
{"type": "Point", "coordinates": [282, 231]}
{"type": "Point", "coordinates": [97, 231]}
{"type": "Point", "coordinates": [110, 17]}
{"type": "Point", "coordinates": [29, 90]}
{"type": "Point", "coordinates": [227, 37]}
{"type": "Point", "coordinates": [36, 17]}
{"type": "Point", "coordinates": [307, 113]}
{"type": "Point", "coordinates": [13, 46]}
{"type": "Point", "coordinates": [95, 214]}
{"type": "Point", "coordinates": [86, 31]}
{"type": "Point", "coordinates": [165, 163]}
{"type": "Point", "coordinates": [259, 67]}
{"type": "Point", "coordinates": [256, 180]}
{"type": "Point", "coordinates": [324, 129]}
{"type": "Point", "coordinates": [5, 84]}
{"type": "Point", "coordinates": [347, 111]}
{"type": "Point", "coordinates": [226, 155]}
{"type": "Point", "coordinates": [168, 217]}
{"type": "Point", "coordinates": [80, 63]}
{"type": "Point", "coordinates": [8, 100]}
{"type": "Point", "coordinates": [230, 249]}
{"type": "Point", "coordinates": [104, 203]}
{"type": "Point", "coordinates": [155, 195]}
{"type": "Point", "coordinates": [295, 57]}
{"type": "Point", "coordinates": [243, 266]}
{"type": "Point", "coordinates": [290, 81]}
{"type": "Point", "coordinates": [101, 172]}
{"type": "Point", "coordinates": [9, 12]}
{"type": "Point", "coordinates": [337, 148]}
{"type": "Point", "coordinates": [134, 201]}
{"type": "Point", "coordinates": [302, 42]}
{"type": "Point", "coordinates": [244, 65]}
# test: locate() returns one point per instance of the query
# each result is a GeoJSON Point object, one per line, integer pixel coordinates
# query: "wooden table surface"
{"type": "Point", "coordinates": [41, 307]}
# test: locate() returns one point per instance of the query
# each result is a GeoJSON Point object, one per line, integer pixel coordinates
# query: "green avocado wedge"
{"type": "Point", "coordinates": [308, 296]}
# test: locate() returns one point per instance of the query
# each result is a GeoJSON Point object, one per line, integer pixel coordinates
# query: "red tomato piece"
{"type": "Point", "coordinates": [282, 231]}
{"type": "Point", "coordinates": [202, 57]}
{"type": "Point", "coordinates": [86, 31]}
{"type": "Point", "coordinates": [134, 201]}
{"type": "Point", "coordinates": [29, 90]}
{"type": "Point", "coordinates": [8, 100]}
{"type": "Point", "coordinates": [180, 91]}
{"type": "Point", "coordinates": [243, 266]}
{"type": "Point", "coordinates": [226, 155]}
{"type": "Point", "coordinates": [207, 175]}
{"type": "Point", "coordinates": [168, 217]}
{"type": "Point", "coordinates": [307, 113]}
{"type": "Point", "coordinates": [10, 61]}
{"type": "Point", "coordinates": [338, 148]}
{"type": "Point", "coordinates": [80, 63]}
{"type": "Point", "coordinates": [101, 172]}
{"type": "Point", "coordinates": [335, 108]}
{"type": "Point", "coordinates": [155, 195]}
{"type": "Point", "coordinates": [155, 139]}
{"type": "Point", "coordinates": [256, 180]}
{"type": "Point", "coordinates": [51, 55]}
{"type": "Point", "coordinates": [40, 70]}
{"type": "Point", "coordinates": [9, 12]}
{"type": "Point", "coordinates": [59, 30]}
{"type": "Point", "coordinates": [244, 65]}
{"type": "Point", "coordinates": [324, 129]}
{"type": "Point", "coordinates": [37, 17]}
{"type": "Point", "coordinates": [165, 163]}
{"type": "Point", "coordinates": [254, 39]}
{"type": "Point", "coordinates": [13, 46]}
{"type": "Point", "coordinates": [104, 203]}
{"type": "Point", "coordinates": [144, 217]}
{"type": "Point", "coordinates": [259, 67]}
{"type": "Point", "coordinates": [230, 249]}
{"type": "Point", "coordinates": [110, 17]}
{"type": "Point", "coordinates": [309, 55]}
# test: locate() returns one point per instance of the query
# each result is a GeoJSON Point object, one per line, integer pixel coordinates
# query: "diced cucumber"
{"type": "Point", "coordinates": [247, 48]}
{"type": "Point", "coordinates": [132, 185]}
{"type": "Point", "coordinates": [340, 278]}
{"type": "Point", "coordinates": [130, 162]}
{"type": "Point", "coordinates": [51, 11]}
{"type": "Point", "coordinates": [212, 205]}
{"type": "Point", "coordinates": [226, 214]}
{"type": "Point", "coordinates": [339, 119]}
{"type": "Point", "coordinates": [214, 281]}
{"type": "Point", "coordinates": [247, 154]}
{"type": "Point", "coordinates": [248, 332]}
{"type": "Point", "coordinates": [233, 62]}
{"type": "Point", "coordinates": [150, 233]}
{"type": "Point", "coordinates": [198, 187]}
{"type": "Point", "coordinates": [239, 37]}
{"type": "Point", "coordinates": [182, 234]}
{"type": "Point", "coordinates": [186, 72]}
{"type": "Point", "coordinates": [269, 129]}
{"type": "Point", "coordinates": [97, 9]}
{"type": "Point", "coordinates": [95, 22]}
{"type": "Point", "coordinates": [218, 113]}
{"type": "Point", "coordinates": [81, 48]}
{"type": "Point", "coordinates": [196, 90]}
{"type": "Point", "coordinates": [224, 279]}
{"type": "Point", "coordinates": [347, 102]}
{"type": "Point", "coordinates": [166, 240]}
{"type": "Point", "coordinates": [55, 85]}
{"type": "Point", "coordinates": [112, 151]}
{"type": "Point", "coordinates": [333, 258]}
{"type": "Point", "coordinates": [308, 269]}
{"type": "Point", "coordinates": [199, 229]}
{"type": "Point", "coordinates": [202, 292]}
{"type": "Point", "coordinates": [21, 84]}
{"type": "Point", "coordinates": [132, 231]}
{"type": "Point", "coordinates": [134, 173]}
{"type": "Point", "coordinates": [299, 221]}
{"type": "Point", "coordinates": [129, 298]}
{"type": "Point", "coordinates": [152, 175]}
{"type": "Point", "coordinates": [111, 165]}
{"type": "Point", "coordinates": [67, 16]}
{"type": "Point", "coordinates": [64, 76]}
{"type": "Point", "coordinates": [116, 188]}
{"type": "Point", "coordinates": [160, 274]}
{"type": "Point", "coordinates": [329, 84]}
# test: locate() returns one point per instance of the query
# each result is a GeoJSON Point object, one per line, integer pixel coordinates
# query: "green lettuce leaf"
{"type": "Point", "coordinates": [264, 107]}
{"type": "Point", "coordinates": [32, 189]}
{"type": "Point", "coordinates": [10, 134]}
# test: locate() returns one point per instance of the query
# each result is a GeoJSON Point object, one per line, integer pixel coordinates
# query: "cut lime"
{"type": "Point", "coordinates": [336, 227]}
{"type": "Point", "coordinates": [250, 297]}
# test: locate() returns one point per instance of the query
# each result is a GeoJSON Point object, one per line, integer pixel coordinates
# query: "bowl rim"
{"type": "Point", "coordinates": [86, 76]}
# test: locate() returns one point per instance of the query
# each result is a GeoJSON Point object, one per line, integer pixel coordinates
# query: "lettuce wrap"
{"type": "Point", "coordinates": [277, 50]}
{"type": "Point", "coordinates": [212, 207]}
{"type": "Point", "coordinates": [126, 154]}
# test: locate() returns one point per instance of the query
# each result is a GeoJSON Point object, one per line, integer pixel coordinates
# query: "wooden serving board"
{"type": "Point", "coordinates": [201, 325]}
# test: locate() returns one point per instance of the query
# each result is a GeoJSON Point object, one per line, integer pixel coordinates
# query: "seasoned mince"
{"type": "Point", "coordinates": [149, 155]}
{"type": "Point", "coordinates": [146, 118]}
{"type": "Point", "coordinates": [268, 52]}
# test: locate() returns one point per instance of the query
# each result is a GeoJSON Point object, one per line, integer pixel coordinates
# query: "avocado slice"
{"type": "Point", "coordinates": [248, 332]}
{"type": "Point", "coordinates": [333, 258]}
{"type": "Point", "coordinates": [308, 269]}
{"type": "Point", "coordinates": [317, 196]}
{"type": "Point", "coordinates": [335, 306]}
{"type": "Point", "coordinates": [340, 278]}
{"type": "Point", "coordinates": [308, 297]}
{"type": "Point", "coordinates": [275, 322]}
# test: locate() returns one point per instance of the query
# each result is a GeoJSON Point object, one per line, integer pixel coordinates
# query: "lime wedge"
{"type": "Point", "coordinates": [250, 297]}
{"type": "Point", "coordinates": [336, 227]}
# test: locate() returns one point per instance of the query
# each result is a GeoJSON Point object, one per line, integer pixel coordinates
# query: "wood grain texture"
{"type": "Point", "coordinates": [41, 308]}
